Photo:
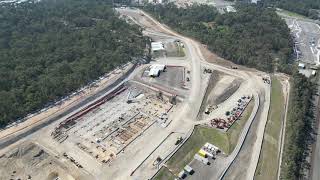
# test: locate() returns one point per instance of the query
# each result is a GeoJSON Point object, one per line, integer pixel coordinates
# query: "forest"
{"type": "Point", "coordinates": [254, 36]}
{"type": "Point", "coordinates": [50, 48]}
{"type": "Point", "coordinates": [308, 8]}
{"type": "Point", "coordinates": [299, 128]}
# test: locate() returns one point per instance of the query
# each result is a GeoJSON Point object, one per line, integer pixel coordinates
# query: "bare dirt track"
{"type": "Point", "coordinates": [266, 101]}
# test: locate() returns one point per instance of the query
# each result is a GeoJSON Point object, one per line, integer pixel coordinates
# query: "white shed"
{"type": "Point", "coordinates": [154, 72]}
{"type": "Point", "coordinates": [160, 67]}
{"type": "Point", "coordinates": [301, 65]}
{"type": "Point", "coordinates": [157, 46]}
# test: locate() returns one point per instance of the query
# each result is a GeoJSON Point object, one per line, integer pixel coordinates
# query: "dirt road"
{"type": "Point", "coordinates": [254, 80]}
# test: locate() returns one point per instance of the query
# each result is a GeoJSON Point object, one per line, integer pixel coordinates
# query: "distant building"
{"type": "Point", "coordinates": [155, 1]}
{"type": "Point", "coordinates": [154, 73]}
{"type": "Point", "coordinates": [157, 46]}
{"type": "Point", "coordinates": [301, 65]}
{"type": "Point", "coordinates": [160, 67]}
{"type": "Point", "coordinates": [156, 69]}
{"type": "Point", "coordinates": [230, 9]}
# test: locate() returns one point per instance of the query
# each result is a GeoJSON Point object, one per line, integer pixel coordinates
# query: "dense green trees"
{"type": "Point", "coordinates": [254, 36]}
{"type": "Point", "coordinates": [299, 128]}
{"type": "Point", "coordinates": [51, 48]}
{"type": "Point", "coordinates": [308, 8]}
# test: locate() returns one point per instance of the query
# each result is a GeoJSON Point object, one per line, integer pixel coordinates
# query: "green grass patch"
{"type": "Point", "coordinates": [289, 13]}
{"type": "Point", "coordinates": [180, 52]}
{"type": "Point", "coordinates": [268, 162]}
{"type": "Point", "coordinates": [175, 50]}
{"type": "Point", "coordinates": [200, 136]}
{"type": "Point", "coordinates": [164, 174]}
{"type": "Point", "coordinates": [225, 141]}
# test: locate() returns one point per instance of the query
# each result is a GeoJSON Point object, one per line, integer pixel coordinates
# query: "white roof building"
{"type": "Point", "coordinates": [156, 1]}
{"type": "Point", "coordinates": [154, 72]}
{"type": "Point", "coordinates": [155, 69]}
{"type": "Point", "coordinates": [230, 9]}
{"type": "Point", "coordinates": [157, 46]}
{"type": "Point", "coordinates": [301, 65]}
{"type": "Point", "coordinates": [160, 67]}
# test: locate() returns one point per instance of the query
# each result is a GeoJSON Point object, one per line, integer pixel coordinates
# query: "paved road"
{"type": "Point", "coordinates": [307, 37]}
{"type": "Point", "coordinates": [305, 31]}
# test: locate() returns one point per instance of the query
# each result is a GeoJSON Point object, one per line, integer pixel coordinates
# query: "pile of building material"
{"type": "Point", "coordinates": [231, 116]}
{"type": "Point", "coordinates": [71, 120]}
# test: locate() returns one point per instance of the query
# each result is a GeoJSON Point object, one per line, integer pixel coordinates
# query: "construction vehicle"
{"type": "Point", "coordinates": [157, 161]}
{"type": "Point", "coordinates": [188, 169]}
{"type": "Point", "coordinates": [234, 67]}
{"type": "Point", "coordinates": [266, 79]}
{"type": "Point", "coordinates": [179, 140]}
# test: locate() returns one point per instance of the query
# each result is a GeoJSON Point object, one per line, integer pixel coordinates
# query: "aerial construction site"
{"type": "Point", "coordinates": [135, 120]}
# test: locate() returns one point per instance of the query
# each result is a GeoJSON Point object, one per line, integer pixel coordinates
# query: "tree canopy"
{"type": "Point", "coordinates": [51, 48]}
{"type": "Point", "coordinates": [299, 128]}
{"type": "Point", "coordinates": [253, 36]}
{"type": "Point", "coordinates": [308, 8]}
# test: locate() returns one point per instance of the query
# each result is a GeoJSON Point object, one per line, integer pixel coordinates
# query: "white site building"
{"type": "Point", "coordinates": [156, 1]}
{"type": "Point", "coordinates": [230, 9]}
{"type": "Point", "coordinates": [301, 65]}
{"type": "Point", "coordinates": [157, 46]}
{"type": "Point", "coordinates": [156, 69]}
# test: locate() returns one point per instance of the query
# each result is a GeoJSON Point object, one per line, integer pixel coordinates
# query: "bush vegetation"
{"type": "Point", "coordinates": [51, 48]}
{"type": "Point", "coordinates": [299, 129]}
{"type": "Point", "coordinates": [254, 36]}
{"type": "Point", "coordinates": [308, 8]}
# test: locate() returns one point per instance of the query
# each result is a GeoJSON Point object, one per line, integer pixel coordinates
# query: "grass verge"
{"type": "Point", "coordinates": [164, 174]}
{"type": "Point", "coordinates": [268, 161]}
{"type": "Point", "coordinates": [225, 141]}
{"type": "Point", "coordinates": [180, 51]}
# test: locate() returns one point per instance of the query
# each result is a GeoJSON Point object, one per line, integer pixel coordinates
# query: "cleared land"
{"type": "Point", "coordinates": [225, 141]}
{"type": "Point", "coordinates": [122, 133]}
{"type": "Point", "coordinates": [174, 49]}
{"type": "Point", "coordinates": [268, 162]}
{"type": "Point", "coordinates": [220, 88]}
{"type": "Point", "coordinates": [32, 162]}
